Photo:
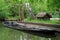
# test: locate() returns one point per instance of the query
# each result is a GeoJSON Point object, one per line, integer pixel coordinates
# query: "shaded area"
{"type": "Point", "coordinates": [40, 33]}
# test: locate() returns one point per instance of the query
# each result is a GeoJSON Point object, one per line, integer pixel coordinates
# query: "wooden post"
{"type": "Point", "coordinates": [21, 11]}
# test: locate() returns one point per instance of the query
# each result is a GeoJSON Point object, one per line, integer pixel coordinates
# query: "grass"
{"type": "Point", "coordinates": [11, 34]}
{"type": "Point", "coordinates": [36, 20]}
{"type": "Point", "coordinates": [13, 18]}
{"type": "Point", "coordinates": [44, 21]}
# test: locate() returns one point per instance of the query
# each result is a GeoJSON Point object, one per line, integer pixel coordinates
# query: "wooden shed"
{"type": "Point", "coordinates": [43, 16]}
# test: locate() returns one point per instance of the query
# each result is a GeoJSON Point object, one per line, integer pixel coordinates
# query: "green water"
{"type": "Point", "coordinates": [11, 34]}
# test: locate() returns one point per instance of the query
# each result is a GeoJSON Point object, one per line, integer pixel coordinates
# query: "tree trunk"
{"type": "Point", "coordinates": [22, 12]}
{"type": "Point", "coordinates": [30, 11]}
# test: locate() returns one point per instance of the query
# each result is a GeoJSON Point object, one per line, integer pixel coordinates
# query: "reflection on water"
{"type": "Point", "coordinates": [40, 34]}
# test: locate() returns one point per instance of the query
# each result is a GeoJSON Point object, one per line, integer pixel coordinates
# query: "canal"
{"type": "Point", "coordinates": [12, 34]}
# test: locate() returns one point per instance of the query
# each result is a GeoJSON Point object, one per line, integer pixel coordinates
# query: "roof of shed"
{"type": "Point", "coordinates": [42, 14]}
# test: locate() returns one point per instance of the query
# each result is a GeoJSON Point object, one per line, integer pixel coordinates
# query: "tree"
{"type": "Point", "coordinates": [14, 10]}
{"type": "Point", "coordinates": [3, 11]}
{"type": "Point", "coordinates": [30, 11]}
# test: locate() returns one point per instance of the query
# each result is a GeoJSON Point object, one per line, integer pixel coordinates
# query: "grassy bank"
{"type": "Point", "coordinates": [44, 21]}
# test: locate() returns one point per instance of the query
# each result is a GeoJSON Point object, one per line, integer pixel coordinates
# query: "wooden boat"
{"type": "Point", "coordinates": [27, 26]}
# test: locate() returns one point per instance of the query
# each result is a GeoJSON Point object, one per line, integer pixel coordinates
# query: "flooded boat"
{"type": "Point", "coordinates": [28, 27]}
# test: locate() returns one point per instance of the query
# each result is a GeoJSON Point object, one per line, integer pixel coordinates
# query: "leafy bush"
{"type": "Point", "coordinates": [3, 15]}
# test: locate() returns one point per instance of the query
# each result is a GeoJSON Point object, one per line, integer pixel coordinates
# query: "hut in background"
{"type": "Point", "coordinates": [43, 16]}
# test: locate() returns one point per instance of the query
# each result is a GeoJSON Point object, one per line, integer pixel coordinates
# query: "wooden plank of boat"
{"type": "Point", "coordinates": [33, 27]}
{"type": "Point", "coordinates": [49, 25]}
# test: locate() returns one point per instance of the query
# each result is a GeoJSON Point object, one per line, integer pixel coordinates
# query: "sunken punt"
{"type": "Point", "coordinates": [30, 27]}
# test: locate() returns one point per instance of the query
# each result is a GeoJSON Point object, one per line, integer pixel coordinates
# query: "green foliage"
{"type": "Point", "coordinates": [11, 7]}
{"type": "Point", "coordinates": [14, 11]}
{"type": "Point", "coordinates": [3, 10]}
{"type": "Point", "coordinates": [3, 14]}
{"type": "Point", "coordinates": [44, 5]}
